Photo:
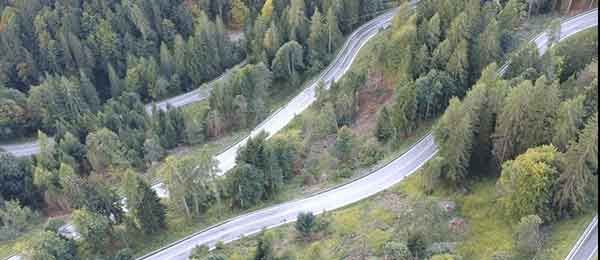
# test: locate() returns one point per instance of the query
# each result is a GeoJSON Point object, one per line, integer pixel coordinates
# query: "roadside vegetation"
{"type": "Point", "coordinates": [480, 187]}
{"type": "Point", "coordinates": [85, 86]}
{"type": "Point", "coordinates": [367, 118]}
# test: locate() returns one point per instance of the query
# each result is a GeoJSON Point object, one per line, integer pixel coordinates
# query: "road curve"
{"type": "Point", "coordinates": [365, 187]}
{"type": "Point", "coordinates": [339, 66]}
{"type": "Point", "coordinates": [203, 92]}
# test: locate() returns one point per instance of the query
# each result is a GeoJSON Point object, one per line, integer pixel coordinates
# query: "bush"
{"type": "Point", "coordinates": [15, 219]}
{"type": "Point", "coordinates": [53, 225]}
{"type": "Point", "coordinates": [396, 251]}
{"type": "Point", "coordinates": [344, 172]}
{"type": "Point", "coordinates": [306, 225]}
{"type": "Point", "coordinates": [370, 153]}
{"type": "Point", "coordinates": [445, 257]}
{"type": "Point", "coordinates": [528, 237]}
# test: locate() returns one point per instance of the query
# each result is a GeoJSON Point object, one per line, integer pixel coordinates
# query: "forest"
{"type": "Point", "coordinates": [77, 75]}
{"type": "Point", "coordinates": [85, 71]}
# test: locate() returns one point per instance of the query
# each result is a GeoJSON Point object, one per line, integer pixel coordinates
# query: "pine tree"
{"type": "Point", "coordinates": [334, 35]}
{"type": "Point", "coordinates": [385, 129]}
{"type": "Point", "coordinates": [570, 119]}
{"type": "Point", "coordinates": [580, 163]}
{"type": "Point", "coordinates": [116, 87]}
{"type": "Point", "coordinates": [264, 249]}
{"type": "Point", "coordinates": [344, 145]}
{"type": "Point", "coordinates": [458, 66]}
{"type": "Point", "coordinates": [489, 48]}
{"type": "Point", "coordinates": [88, 92]}
{"type": "Point", "coordinates": [149, 212]}
{"type": "Point", "coordinates": [317, 41]}
{"type": "Point", "coordinates": [524, 117]}
{"type": "Point", "coordinates": [167, 66]}
{"type": "Point", "coordinates": [239, 14]}
{"type": "Point", "coordinates": [454, 136]}
{"type": "Point", "coordinates": [297, 22]}
{"type": "Point", "coordinates": [288, 61]}
{"type": "Point", "coordinates": [404, 110]}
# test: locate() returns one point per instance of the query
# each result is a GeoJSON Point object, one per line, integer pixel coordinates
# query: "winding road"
{"type": "Point", "coordinates": [365, 187]}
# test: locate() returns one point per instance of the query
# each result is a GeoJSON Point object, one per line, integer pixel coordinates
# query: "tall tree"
{"type": "Point", "coordinates": [16, 180]}
{"type": "Point", "coordinates": [88, 92]}
{"type": "Point", "coordinates": [580, 163]}
{"type": "Point", "coordinates": [104, 150]}
{"type": "Point", "coordinates": [454, 136]}
{"type": "Point", "coordinates": [191, 183]}
{"type": "Point", "coordinates": [524, 118]}
{"type": "Point", "coordinates": [50, 246]}
{"type": "Point", "coordinates": [95, 230]}
{"type": "Point", "coordinates": [334, 35]}
{"type": "Point", "coordinates": [288, 61]}
{"type": "Point", "coordinates": [344, 145]}
{"type": "Point", "coordinates": [569, 119]}
{"type": "Point", "coordinates": [149, 212]}
{"type": "Point", "coordinates": [317, 40]}
{"type": "Point", "coordinates": [404, 110]}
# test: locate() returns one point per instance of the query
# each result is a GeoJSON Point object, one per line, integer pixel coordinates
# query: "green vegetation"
{"type": "Point", "coordinates": [490, 130]}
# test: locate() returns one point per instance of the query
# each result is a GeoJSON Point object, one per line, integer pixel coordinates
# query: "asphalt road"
{"type": "Point", "coordinates": [197, 95]}
{"type": "Point", "coordinates": [586, 247]}
{"type": "Point", "coordinates": [342, 196]}
{"type": "Point", "coordinates": [338, 67]}
{"type": "Point", "coordinates": [378, 181]}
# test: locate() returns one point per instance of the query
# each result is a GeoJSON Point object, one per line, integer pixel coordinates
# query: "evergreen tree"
{"type": "Point", "coordinates": [288, 61]}
{"type": "Point", "coordinates": [524, 117]}
{"type": "Point", "coordinates": [344, 145]}
{"type": "Point", "coordinates": [569, 119]}
{"type": "Point", "coordinates": [454, 136]}
{"type": "Point", "coordinates": [246, 185]}
{"type": "Point", "coordinates": [264, 249]}
{"type": "Point", "coordinates": [489, 49]}
{"type": "Point", "coordinates": [580, 163]}
{"type": "Point", "coordinates": [88, 92]}
{"type": "Point", "coordinates": [49, 245]}
{"type": "Point", "coordinates": [149, 213]}
{"type": "Point", "coordinates": [317, 40]}
{"type": "Point", "coordinates": [385, 128]}
{"type": "Point", "coordinates": [404, 109]}
{"type": "Point", "coordinates": [334, 35]}
{"type": "Point", "coordinates": [95, 230]}
{"type": "Point", "coordinates": [116, 87]}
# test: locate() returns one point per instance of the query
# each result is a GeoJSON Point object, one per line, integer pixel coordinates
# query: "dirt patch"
{"type": "Point", "coordinates": [395, 202]}
{"type": "Point", "coordinates": [580, 6]}
{"type": "Point", "coordinates": [377, 92]}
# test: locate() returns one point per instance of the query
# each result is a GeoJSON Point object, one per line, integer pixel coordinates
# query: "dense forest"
{"type": "Point", "coordinates": [532, 131]}
{"type": "Point", "coordinates": [85, 69]}
{"type": "Point", "coordinates": [79, 73]}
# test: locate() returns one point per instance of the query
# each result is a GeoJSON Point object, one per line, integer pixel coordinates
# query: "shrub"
{"type": "Point", "coordinates": [306, 225]}
{"type": "Point", "coordinates": [528, 237]}
{"type": "Point", "coordinates": [370, 153]}
{"type": "Point", "coordinates": [14, 220]}
{"type": "Point", "coordinates": [53, 225]}
{"type": "Point", "coordinates": [393, 250]}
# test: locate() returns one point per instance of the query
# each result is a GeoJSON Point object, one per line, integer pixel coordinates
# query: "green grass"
{"type": "Point", "coordinates": [489, 232]}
